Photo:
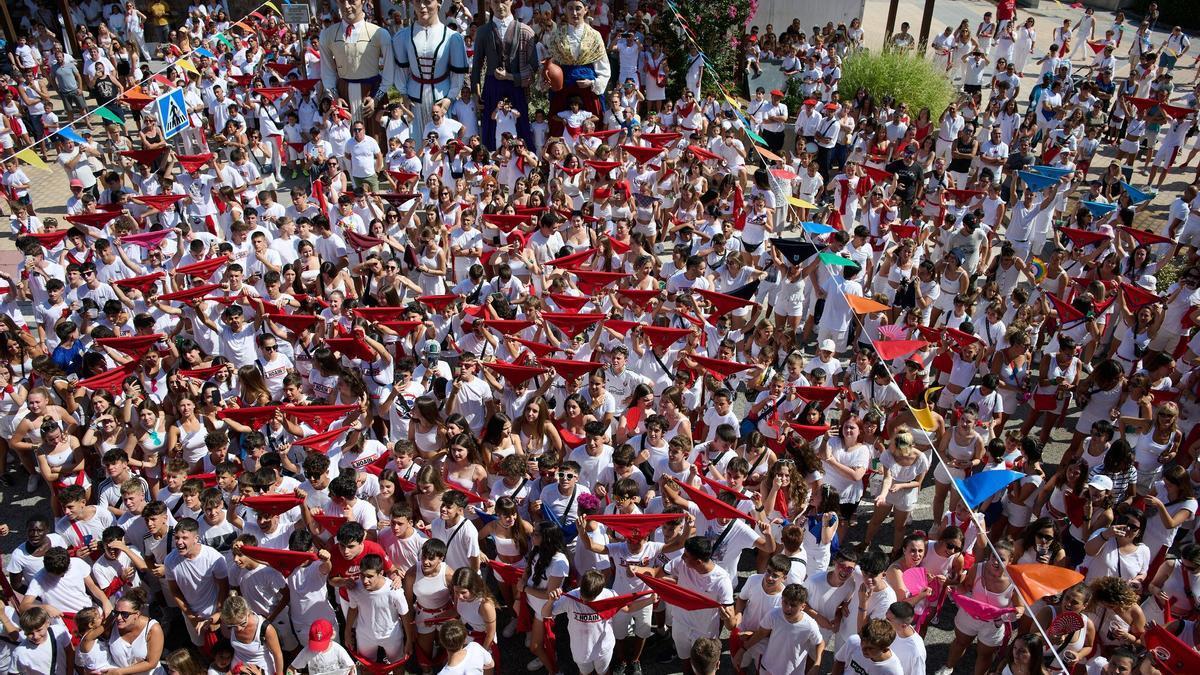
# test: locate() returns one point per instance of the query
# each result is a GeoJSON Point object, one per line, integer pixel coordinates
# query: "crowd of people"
{"type": "Point", "coordinates": [380, 365]}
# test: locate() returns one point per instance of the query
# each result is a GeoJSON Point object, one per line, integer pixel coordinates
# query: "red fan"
{"type": "Point", "coordinates": [664, 336]}
{"type": "Point", "coordinates": [192, 163]}
{"type": "Point", "coordinates": [318, 416]}
{"type": "Point", "coordinates": [144, 283]}
{"type": "Point", "coordinates": [538, 349]}
{"type": "Point", "coordinates": [321, 442]}
{"type": "Point", "coordinates": [146, 240]}
{"type": "Point", "coordinates": [1066, 312]}
{"type": "Point", "coordinates": [514, 374]}
{"type": "Point", "coordinates": [895, 349]}
{"type": "Point", "coordinates": [570, 303]}
{"type": "Point", "coordinates": [134, 345]}
{"type": "Point", "coordinates": [147, 157]}
{"type": "Point", "coordinates": [642, 153]}
{"type": "Point", "coordinates": [204, 268]}
{"type": "Point", "coordinates": [272, 93]}
{"type": "Point", "coordinates": [573, 260]}
{"type": "Point", "coordinates": [634, 525]}
{"type": "Point", "coordinates": [297, 323]}
{"type": "Point", "coordinates": [97, 220]}
{"type": "Point", "coordinates": [719, 368]}
{"type": "Point", "coordinates": [437, 302]}
{"type": "Point", "coordinates": [595, 280]}
{"type": "Point", "coordinates": [189, 294]}
{"type": "Point", "coordinates": [201, 373]}
{"type": "Point", "coordinates": [662, 139]}
{"type": "Point", "coordinates": [254, 417]}
{"type": "Point", "coordinates": [1083, 237]}
{"type": "Point", "coordinates": [607, 608]}
{"type": "Point", "coordinates": [1145, 237]}
{"type": "Point", "coordinates": [619, 247]}
{"type": "Point", "coordinates": [710, 506]}
{"type": "Point", "coordinates": [1065, 623]}
{"type": "Point", "coordinates": [569, 370]}
{"type": "Point", "coordinates": [209, 479]}
{"type": "Point", "coordinates": [641, 298]}
{"type": "Point", "coordinates": [158, 202]}
{"type": "Point", "coordinates": [285, 562]}
{"type": "Point", "coordinates": [401, 328]}
{"type": "Point", "coordinates": [110, 380]}
{"type": "Point", "coordinates": [810, 432]}
{"type": "Point", "coordinates": [361, 242]}
{"type": "Point", "coordinates": [306, 85]}
{"type": "Point", "coordinates": [507, 326]}
{"type": "Point", "coordinates": [701, 153]}
{"type": "Point", "coordinates": [385, 313]}
{"type": "Point", "coordinates": [281, 69]}
{"type": "Point", "coordinates": [822, 395]}
{"type": "Point", "coordinates": [1136, 296]}
{"type": "Point", "coordinates": [49, 240]}
{"type": "Point", "coordinates": [272, 505]}
{"type": "Point", "coordinates": [722, 303]}
{"type": "Point", "coordinates": [352, 347]}
{"type": "Point", "coordinates": [330, 524]}
{"type": "Point", "coordinates": [674, 594]}
{"type": "Point", "coordinates": [572, 324]}
{"type": "Point", "coordinates": [507, 222]}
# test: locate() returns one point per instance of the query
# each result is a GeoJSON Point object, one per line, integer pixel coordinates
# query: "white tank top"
{"type": "Point", "coordinates": [123, 654]}
{"type": "Point", "coordinates": [255, 651]}
{"type": "Point", "coordinates": [431, 593]}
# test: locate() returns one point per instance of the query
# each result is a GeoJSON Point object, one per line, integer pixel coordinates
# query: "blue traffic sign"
{"type": "Point", "coordinates": [172, 113]}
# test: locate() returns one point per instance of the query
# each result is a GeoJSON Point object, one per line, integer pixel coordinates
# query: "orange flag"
{"type": "Point", "coordinates": [862, 305]}
{"type": "Point", "coordinates": [1037, 580]}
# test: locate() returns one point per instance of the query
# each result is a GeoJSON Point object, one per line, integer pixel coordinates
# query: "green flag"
{"type": "Point", "coordinates": [225, 41]}
{"type": "Point", "coordinates": [835, 259]}
{"type": "Point", "coordinates": [753, 136]}
{"type": "Point", "coordinates": [109, 115]}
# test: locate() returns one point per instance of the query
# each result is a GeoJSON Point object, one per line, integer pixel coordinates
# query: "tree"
{"type": "Point", "coordinates": [718, 27]}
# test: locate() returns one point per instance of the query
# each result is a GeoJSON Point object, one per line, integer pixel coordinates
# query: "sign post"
{"type": "Point", "coordinates": [172, 113]}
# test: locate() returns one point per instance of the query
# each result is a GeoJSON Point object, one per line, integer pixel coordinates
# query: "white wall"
{"type": "Point", "coordinates": [810, 12]}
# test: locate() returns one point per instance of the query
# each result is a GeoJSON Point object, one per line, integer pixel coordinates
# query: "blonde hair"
{"type": "Point", "coordinates": [234, 610]}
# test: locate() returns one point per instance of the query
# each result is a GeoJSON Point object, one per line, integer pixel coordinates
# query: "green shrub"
{"type": "Point", "coordinates": [719, 28]}
{"type": "Point", "coordinates": [907, 78]}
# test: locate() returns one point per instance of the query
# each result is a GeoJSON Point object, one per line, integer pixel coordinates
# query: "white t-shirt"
{"type": "Point", "coordinates": [333, 661]}
{"type": "Point", "coordinates": [789, 644]}
{"type": "Point", "coordinates": [379, 612]}
{"type": "Point", "coordinates": [362, 156]}
{"type": "Point", "coordinates": [476, 660]}
{"type": "Point", "coordinates": [194, 577]}
{"type": "Point", "coordinates": [67, 592]}
{"type": "Point", "coordinates": [31, 659]}
{"type": "Point", "coordinates": [852, 655]}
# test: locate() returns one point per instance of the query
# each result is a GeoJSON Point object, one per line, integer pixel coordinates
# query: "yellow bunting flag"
{"type": "Point", "coordinates": [800, 203]}
{"type": "Point", "coordinates": [925, 418]}
{"type": "Point", "coordinates": [187, 65]}
{"type": "Point", "coordinates": [31, 158]}
{"type": "Point", "coordinates": [733, 101]}
{"type": "Point", "coordinates": [270, 4]}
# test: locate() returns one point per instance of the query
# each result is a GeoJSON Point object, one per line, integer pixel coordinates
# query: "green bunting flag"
{"type": "Point", "coordinates": [109, 115]}
{"type": "Point", "coordinates": [835, 259]}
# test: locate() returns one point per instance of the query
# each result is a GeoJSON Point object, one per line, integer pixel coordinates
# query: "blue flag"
{"type": "Point", "coordinates": [1135, 195]}
{"type": "Point", "coordinates": [817, 228]}
{"type": "Point", "coordinates": [1052, 171]}
{"type": "Point", "coordinates": [1036, 181]}
{"type": "Point", "coordinates": [570, 531]}
{"type": "Point", "coordinates": [70, 134]}
{"type": "Point", "coordinates": [980, 487]}
{"type": "Point", "coordinates": [1097, 209]}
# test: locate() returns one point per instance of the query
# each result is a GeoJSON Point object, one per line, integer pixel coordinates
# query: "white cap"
{"type": "Point", "coordinates": [827, 345]}
{"type": "Point", "coordinates": [1148, 282]}
{"type": "Point", "coordinates": [1100, 482]}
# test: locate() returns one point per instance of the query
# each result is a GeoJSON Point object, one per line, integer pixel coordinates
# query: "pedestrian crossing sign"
{"type": "Point", "coordinates": [172, 113]}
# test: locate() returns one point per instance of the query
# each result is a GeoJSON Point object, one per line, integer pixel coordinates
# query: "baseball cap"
{"type": "Point", "coordinates": [810, 101]}
{"type": "Point", "coordinates": [319, 635]}
{"type": "Point", "coordinates": [827, 345]}
{"type": "Point", "coordinates": [76, 183]}
{"type": "Point", "coordinates": [1100, 482]}
{"type": "Point", "coordinates": [776, 92]}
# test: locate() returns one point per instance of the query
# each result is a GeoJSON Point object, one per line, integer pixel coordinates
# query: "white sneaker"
{"type": "Point", "coordinates": [945, 670]}
{"type": "Point", "coordinates": [534, 665]}
{"type": "Point", "coordinates": [510, 628]}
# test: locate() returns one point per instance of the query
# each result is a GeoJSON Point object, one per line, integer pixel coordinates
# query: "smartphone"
{"type": "Point", "coordinates": [216, 397]}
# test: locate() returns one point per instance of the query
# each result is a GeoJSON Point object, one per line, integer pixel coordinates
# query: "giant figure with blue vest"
{"type": "Point", "coordinates": [431, 63]}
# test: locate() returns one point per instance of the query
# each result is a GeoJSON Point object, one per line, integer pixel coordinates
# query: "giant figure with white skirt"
{"type": "Point", "coordinates": [431, 63]}
{"type": "Point", "coordinates": [577, 52]}
{"type": "Point", "coordinates": [356, 61]}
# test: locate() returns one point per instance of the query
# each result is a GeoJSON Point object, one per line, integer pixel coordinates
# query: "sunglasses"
{"type": "Point", "coordinates": [563, 475]}
{"type": "Point", "coordinates": [123, 614]}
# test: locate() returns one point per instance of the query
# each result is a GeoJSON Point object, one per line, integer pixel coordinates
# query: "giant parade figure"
{"type": "Point", "coordinates": [505, 64]}
{"type": "Point", "coordinates": [578, 62]}
{"type": "Point", "coordinates": [431, 63]}
{"type": "Point", "coordinates": [356, 61]}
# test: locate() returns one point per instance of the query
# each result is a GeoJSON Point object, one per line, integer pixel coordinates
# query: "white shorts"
{"type": "Point", "coordinates": [989, 633]}
{"type": "Point", "coordinates": [638, 621]}
{"type": "Point", "coordinates": [1190, 236]}
{"type": "Point", "coordinates": [1165, 157]}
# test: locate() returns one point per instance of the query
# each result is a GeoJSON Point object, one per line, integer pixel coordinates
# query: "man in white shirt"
{"type": "Point", "coordinates": [457, 531]}
{"type": "Point", "coordinates": [364, 156]}
{"type": "Point", "coordinates": [774, 120]}
{"type": "Point", "coordinates": [470, 393]}
{"type": "Point", "coordinates": [197, 578]}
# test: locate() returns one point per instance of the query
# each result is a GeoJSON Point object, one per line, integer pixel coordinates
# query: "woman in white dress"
{"type": "Point", "coordinates": [135, 644]}
{"type": "Point", "coordinates": [546, 569]}
{"type": "Point", "coordinates": [1025, 44]}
